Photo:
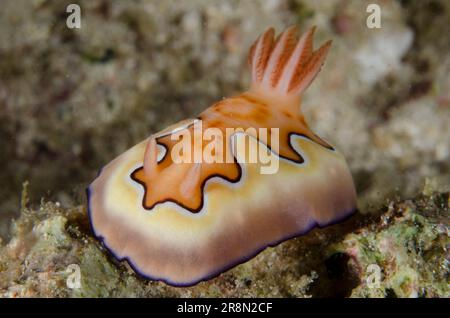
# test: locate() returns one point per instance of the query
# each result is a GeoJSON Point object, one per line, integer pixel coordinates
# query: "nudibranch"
{"type": "Point", "coordinates": [185, 221]}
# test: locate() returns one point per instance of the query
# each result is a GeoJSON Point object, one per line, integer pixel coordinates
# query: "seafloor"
{"type": "Point", "coordinates": [73, 99]}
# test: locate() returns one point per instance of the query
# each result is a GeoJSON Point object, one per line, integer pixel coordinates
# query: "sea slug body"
{"type": "Point", "coordinates": [186, 221]}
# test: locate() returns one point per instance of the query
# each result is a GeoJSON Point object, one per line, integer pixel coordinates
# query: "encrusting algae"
{"type": "Point", "coordinates": [408, 241]}
{"type": "Point", "coordinates": [396, 135]}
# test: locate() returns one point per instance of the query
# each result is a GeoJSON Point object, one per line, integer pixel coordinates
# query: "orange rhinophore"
{"type": "Point", "coordinates": [208, 193]}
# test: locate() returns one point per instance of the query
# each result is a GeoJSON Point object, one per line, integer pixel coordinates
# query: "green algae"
{"type": "Point", "coordinates": [407, 240]}
{"type": "Point", "coordinates": [410, 250]}
{"type": "Point", "coordinates": [66, 94]}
